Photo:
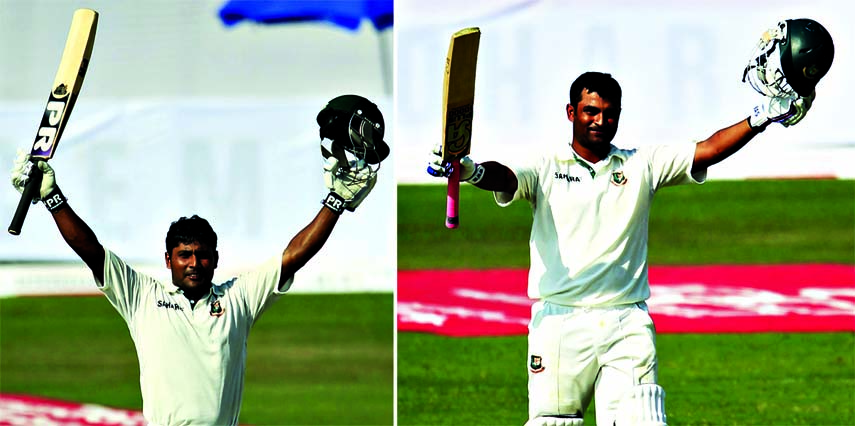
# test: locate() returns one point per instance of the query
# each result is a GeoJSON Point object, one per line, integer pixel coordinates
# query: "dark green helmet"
{"type": "Point", "coordinates": [355, 125]}
{"type": "Point", "coordinates": [806, 54]}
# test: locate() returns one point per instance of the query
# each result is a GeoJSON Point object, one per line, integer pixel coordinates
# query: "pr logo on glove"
{"type": "Point", "coordinates": [350, 185]}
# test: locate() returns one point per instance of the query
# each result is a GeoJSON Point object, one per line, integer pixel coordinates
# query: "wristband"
{"type": "Point", "coordinates": [55, 200]}
{"type": "Point", "coordinates": [477, 175]}
{"type": "Point", "coordinates": [334, 202]}
{"type": "Point", "coordinates": [757, 125]}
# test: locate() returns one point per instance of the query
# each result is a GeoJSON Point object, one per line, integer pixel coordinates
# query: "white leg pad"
{"type": "Point", "coordinates": [644, 405]}
{"type": "Point", "coordinates": [555, 421]}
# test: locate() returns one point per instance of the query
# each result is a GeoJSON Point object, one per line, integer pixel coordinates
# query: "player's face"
{"type": "Point", "coordinates": [192, 266]}
{"type": "Point", "coordinates": [595, 121]}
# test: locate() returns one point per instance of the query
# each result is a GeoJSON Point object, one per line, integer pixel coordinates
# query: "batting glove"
{"type": "Point", "coordinates": [348, 187]}
{"type": "Point", "coordinates": [21, 174]}
{"type": "Point", "coordinates": [48, 191]}
{"type": "Point", "coordinates": [786, 110]}
{"type": "Point", "coordinates": [470, 171]}
{"type": "Point", "coordinates": [801, 105]}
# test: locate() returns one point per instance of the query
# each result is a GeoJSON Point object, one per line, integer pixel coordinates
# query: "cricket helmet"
{"type": "Point", "coordinates": [806, 54]}
{"type": "Point", "coordinates": [355, 125]}
{"type": "Point", "coordinates": [790, 59]}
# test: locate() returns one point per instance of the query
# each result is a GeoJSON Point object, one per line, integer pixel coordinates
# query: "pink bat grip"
{"type": "Point", "coordinates": [452, 220]}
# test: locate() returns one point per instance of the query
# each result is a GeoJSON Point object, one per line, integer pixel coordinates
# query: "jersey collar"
{"type": "Point", "coordinates": [173, 289]}
{"type": "Point", "coordinates": [217, 290]}
{"type": "Point", "coordinates": [569, 154]}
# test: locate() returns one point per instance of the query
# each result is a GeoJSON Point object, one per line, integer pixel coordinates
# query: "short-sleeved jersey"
{"type": "Point", "coordinates": [589, 235]}
{"type": "Point", "coordinates": [192, 359]}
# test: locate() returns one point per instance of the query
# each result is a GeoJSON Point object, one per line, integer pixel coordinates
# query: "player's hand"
{"type": "Point", "coordinates": [801, 106]}
{"type": "Point", "coordinates": [787, 110]}
{"type": "Point", "coordinates": [350, 185]}
{"type": "Point", "coordinates": [21, 174]}
{"type": "Point", "coordinates": [439, 168]}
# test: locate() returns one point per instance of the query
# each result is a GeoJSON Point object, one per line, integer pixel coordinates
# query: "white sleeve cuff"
{"type": "Point", "coordinates": [504, 199]}
{"type": "Point", "coordinates": [284, 287]}
{"type": "Point", "coordinates": [699, 176]}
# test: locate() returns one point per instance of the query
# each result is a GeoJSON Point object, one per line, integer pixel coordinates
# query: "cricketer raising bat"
{"type": "Point", "coordinates": [63, 94]}
{"type": "Point", "coordinates": [458, 96]}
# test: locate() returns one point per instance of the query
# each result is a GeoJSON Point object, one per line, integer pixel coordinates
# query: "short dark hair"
{"type": "Point", "coordinates": [603, 84]}
{"type": "Point", "coordinates": [187, 230]}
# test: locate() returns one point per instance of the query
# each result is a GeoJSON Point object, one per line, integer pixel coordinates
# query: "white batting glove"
{"type": "Point", "coordinates": [802, 105]}
{"type": "Point", "coordinates": [470, 171]}
{"type": "Point", "coordinates": [780, 109]}
{"type": "Point", "coordinates": [21, 174]}
{"type": "Point", "coordinates": [348, 188]}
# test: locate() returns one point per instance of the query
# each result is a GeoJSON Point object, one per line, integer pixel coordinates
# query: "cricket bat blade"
{"type": "Point", "coordinates": [63, 95]}
{"type": "Point", "coordinates": [457, 112]}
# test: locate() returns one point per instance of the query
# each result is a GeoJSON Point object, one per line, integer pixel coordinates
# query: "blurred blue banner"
{"type": "Point", "coordinates": [344, 13]}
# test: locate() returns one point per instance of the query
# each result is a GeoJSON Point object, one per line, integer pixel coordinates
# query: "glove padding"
{"type": "Point", "coordinates": [352, 184]}
{"type": "Point", "coordinates": [786, 110]}
{"type": "Point", "coordinates": [21, 174]}
{"type": "Point", "coordinates": [801, 105]}
{"type": "Point", "coordinates": [439, 168]}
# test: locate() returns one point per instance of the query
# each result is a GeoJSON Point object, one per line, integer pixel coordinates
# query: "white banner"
{"type": "Point", "coordinates": [253, 169]}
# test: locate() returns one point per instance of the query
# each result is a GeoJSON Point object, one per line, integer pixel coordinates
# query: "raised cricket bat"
{"type": "Point", "coordinates": [63, 94]}
{"type": "Point", "coordinates": [458, 96]}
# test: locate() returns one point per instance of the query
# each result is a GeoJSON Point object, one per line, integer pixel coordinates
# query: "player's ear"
{"type": "Point", "coordinates": [168, 263]}
{"type": "Point", "coordinates": [570, 112]}
{"type": "Point", "coordinates": [216, 259]}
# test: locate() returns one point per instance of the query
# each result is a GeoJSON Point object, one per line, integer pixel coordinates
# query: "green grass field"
{"type": "Point", "coordinates": [312, 359]}
{"type": "Point", "coordinates": [733, 379]}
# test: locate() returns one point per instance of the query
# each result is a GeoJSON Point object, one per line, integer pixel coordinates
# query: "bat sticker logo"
{"type": "Point", "coordinates": [60, 91]}
{"type": "Point", "coordinates": [458, 131]}
{"type": "Point", "coordinates": [47, 132]}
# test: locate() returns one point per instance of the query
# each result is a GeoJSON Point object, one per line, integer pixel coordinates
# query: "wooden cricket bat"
{"type": "Point", "coordinates": [63, 94]}
{"type": "Point", "coordinates": [458, 97]}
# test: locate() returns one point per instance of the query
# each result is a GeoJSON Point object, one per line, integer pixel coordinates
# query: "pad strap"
{"type": "Point", "coordinates": [643, 405]}
{"type": "Point", "coordinates": [557, 420]}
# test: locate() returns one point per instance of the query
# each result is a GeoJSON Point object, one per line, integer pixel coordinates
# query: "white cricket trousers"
{"type": "Point", "coordinates": [575, 353]}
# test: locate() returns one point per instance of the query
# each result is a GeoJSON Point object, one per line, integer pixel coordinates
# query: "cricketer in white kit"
{"type": "Point", "coordinates": [191, 334]}
{"type": "Point", "coordinates": [590, 333]}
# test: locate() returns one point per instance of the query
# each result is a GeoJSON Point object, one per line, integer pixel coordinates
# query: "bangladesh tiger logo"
{"type": "Point", "coordinates": [618, 179]}
{"type": "Point", "coordinates": [536, 364]}
{"type": "Point", "coordinates": [216, 309]}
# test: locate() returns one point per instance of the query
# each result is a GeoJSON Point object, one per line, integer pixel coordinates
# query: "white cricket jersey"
{"type": "Point", "coordinates": [589, 235]}
{"type": "Point", "coordinates": [192, 360]}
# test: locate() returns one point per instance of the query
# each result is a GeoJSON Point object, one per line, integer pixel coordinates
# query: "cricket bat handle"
{"type": "Point", "coordinates": [31, 190]}
{"type": "Point", "coordinates": [452, 219]}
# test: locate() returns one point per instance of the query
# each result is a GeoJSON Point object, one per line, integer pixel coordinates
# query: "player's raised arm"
{"type": "Point", "coordinates": [787, 110]}
{"type": "Point", "coordinates": [788, 62]}
{"type": "Point", "coordinates": [74, 230]}
{"type": "Point", "coordinates": [351, 130]}
{"type": "Point", "coordinates": [307, 243]}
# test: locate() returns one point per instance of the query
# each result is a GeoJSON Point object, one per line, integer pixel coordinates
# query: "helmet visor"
{"type": "Point", "coordinates": [367, 138]}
